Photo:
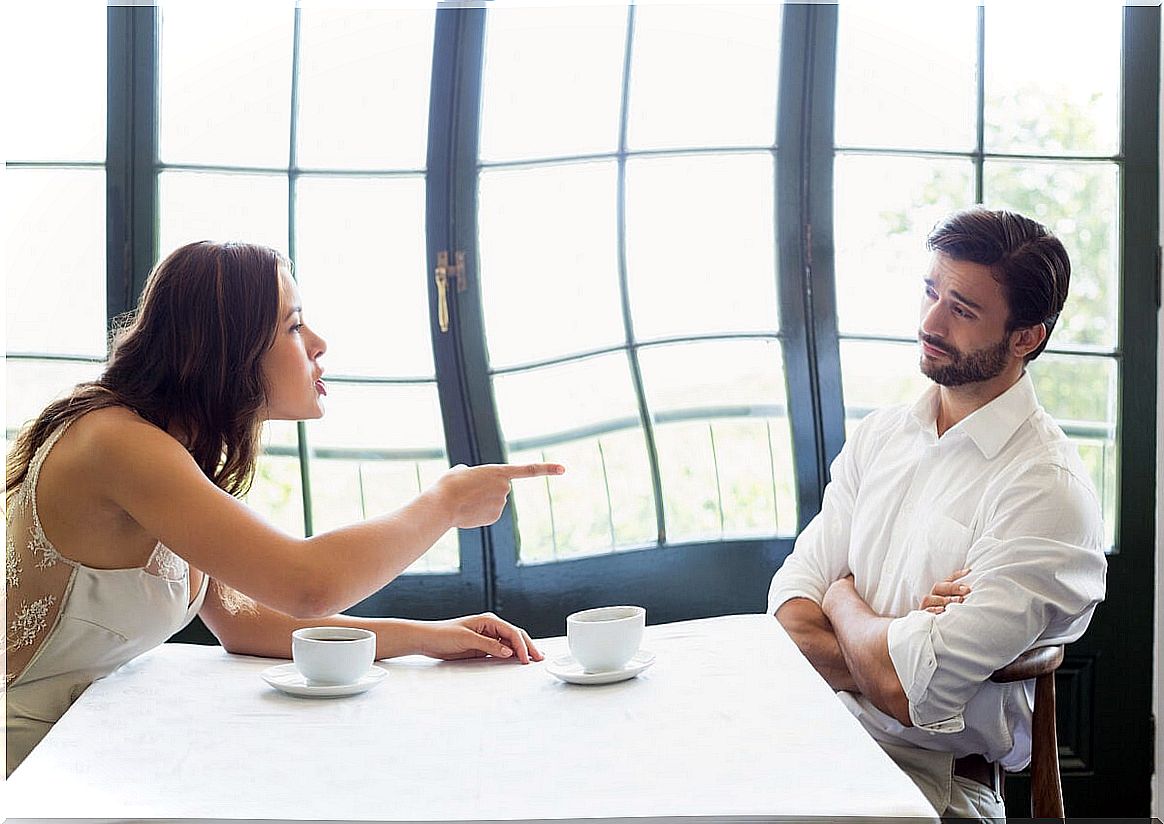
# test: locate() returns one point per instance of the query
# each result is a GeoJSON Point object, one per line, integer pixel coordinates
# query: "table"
{"type": "Point", "coordinates": [731, 723]}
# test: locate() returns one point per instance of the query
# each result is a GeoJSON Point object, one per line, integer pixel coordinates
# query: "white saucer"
{"type": "Point", "coordinates": [567, 669]}
{"type": "Point", "coordinates": [286, 678]}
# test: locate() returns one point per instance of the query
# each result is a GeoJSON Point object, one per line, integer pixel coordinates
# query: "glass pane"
{"type": "Point", "coordinates": [552, 82]}
{"type": "Point", "coordinates": [364, 79]}
{"type": "Point", "coordinates": [54, 237]}
{"type": "Point", "coordinates": [277, 492]}
{"type": "Point", "coordinates": [399, 417]}
{"type": "Point", "coordinates": [280, 435]}
{"type": "Point", "coordinates": [548, 260]}
{"type": "Point", "coordinates": [718, 406]}
{"type": "Point", "coordinates": [345, 492]}
{"type": "Point", "coordinates": [376, 449]}
{"type": "Point", "coordinates": [54, 63]}
{"type": "Point", "coordinates": [1079, 202]}
{"type": "Point", "coordinates": [200, 206]}
{"type": "Point", "coordinates": [224, 81]}
{"type": "Point", "coordinates": [602, 504]}
{"type": "Point", "coordinates": [30, 385]}
{"type": "Point", "coordinates": [1056, 92]}
{"type": "Point", "coordinates": [700, 245]}
{"type": "Point", "coordinates": [704, 76]}
{"type": "Point", "coordinates": [596, 434]}
{"type": "Point", "coordinates": [361, 269]}
{"type": "Point", "coordinates": [906, 76]}
{"type": "Point", "coordinates": [1081, 393]}
{"type": "Point", "coordinates": [884, 207]}
{"type": "Point", "coordinates": [876, 374]}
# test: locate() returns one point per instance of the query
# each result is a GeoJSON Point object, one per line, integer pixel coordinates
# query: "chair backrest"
{"type": "Point", "coordinates": [1046, 785]}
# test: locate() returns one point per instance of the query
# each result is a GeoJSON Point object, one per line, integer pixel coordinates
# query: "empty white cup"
{"type": "Point", "coordinates": [333, 655]}
{"type": "Point", "coordinates": [605, 638]}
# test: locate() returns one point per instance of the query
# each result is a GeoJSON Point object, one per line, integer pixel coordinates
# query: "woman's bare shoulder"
{"type": "Point", "coordinates": [112, 430]}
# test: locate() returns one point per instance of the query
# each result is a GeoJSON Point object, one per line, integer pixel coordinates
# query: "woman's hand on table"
{"type": "Point", "coordinates": [475, 636]}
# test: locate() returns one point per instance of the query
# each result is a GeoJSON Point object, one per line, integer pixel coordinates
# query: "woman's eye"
{"type": "Point", "coordinates": [297, 327]}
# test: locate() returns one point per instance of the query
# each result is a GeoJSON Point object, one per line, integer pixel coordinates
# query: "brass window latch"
{"type": "Point", "coordinates": [443, 272]}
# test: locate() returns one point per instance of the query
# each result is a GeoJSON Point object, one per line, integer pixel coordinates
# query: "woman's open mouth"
{"type": "Point", "coordinates": [321, 387]}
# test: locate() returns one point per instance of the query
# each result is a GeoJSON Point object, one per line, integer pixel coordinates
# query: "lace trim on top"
{"type": "Point", "coordinates": [35, 586]}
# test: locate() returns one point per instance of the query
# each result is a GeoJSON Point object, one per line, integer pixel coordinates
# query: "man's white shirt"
{"type": "Point", "coordinates": [1003, 493]}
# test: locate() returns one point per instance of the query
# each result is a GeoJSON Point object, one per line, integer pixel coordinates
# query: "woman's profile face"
{"type": "Point", "coordinates": [291, 369]}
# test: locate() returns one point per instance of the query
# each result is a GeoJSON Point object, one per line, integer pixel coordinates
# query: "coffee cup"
{"type": "Point", "coordinates": [333, 655]}
{"type": "Point", "coordinates": [605, 638]}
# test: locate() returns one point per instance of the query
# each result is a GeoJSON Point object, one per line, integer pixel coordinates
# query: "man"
{"type": "Point", "coordinates": [955, 533]}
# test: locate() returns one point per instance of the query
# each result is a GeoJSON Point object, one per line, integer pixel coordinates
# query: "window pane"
{"type": "Point", "coordinates": [552, 82]}
{"type": "Point", "coordinates": [700, 245]}
{"type": "Point", "coordinates": [54, 253]}
{"type": "Point", "coordinates": [906, 76]}
{"type": "Point", "coordinates": [376, 448]}
{"type": "Point", "coordinates": [54, 63]}
{"type": "Point", "coordinates": [196, 206]}
{"type": "Point", "coordinates": [598, 435]}
{"type": "Point", "coordinates": [602, 504]}
{"type": "Point", "coordinates": [883, 209]}
{"type": "Point", "coordinates": [393, 417]}
{"type": "Point", "coordinates": [704, 76]}
{"type": "Point", "coordinates": [31, 385]}
{"type": "Point", "coordinates": [225, 83]}
{"type": "Point", "coordinates": [345, 492]}
{"type": "Point", "coordinates": [1056, 92]}
{"type": "Point", "coordinates": [721, 432]}
{"type": "Point", "coordinates": [277, 492]}
{"type": "Point", "coordinates": [1081, 394]}
{"type": "Point", "coordinates": [361, 267]}
{"type": "Point", "coordinates": [1079, 202]}
{"type": "Point", "coordinates": [548, 259]}
{"type": "Point", "coordinates": [876, 374]}
{"type": "Point", "coordinates": [364, 79]}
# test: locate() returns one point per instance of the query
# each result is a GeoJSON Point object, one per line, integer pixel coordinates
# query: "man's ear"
{"type": "Point", "coordinates": [1027, 339]}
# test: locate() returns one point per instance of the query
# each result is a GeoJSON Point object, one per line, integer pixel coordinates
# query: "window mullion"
{"type": "Point", "coordinates": [304, 450]}
{"type": "Point", "coordinates": [624, 292]}
{"type": "Point", "coordinates": [131, 155]}
{"type": "Point", "coordinates": [980, 108]}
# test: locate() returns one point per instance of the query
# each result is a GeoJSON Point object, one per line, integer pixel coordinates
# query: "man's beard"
{"type": "Point", "coordinates": [966, 367]}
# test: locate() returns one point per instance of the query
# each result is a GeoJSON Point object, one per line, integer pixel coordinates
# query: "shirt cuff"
{"type": "Point", "coordinates": [911, 649]}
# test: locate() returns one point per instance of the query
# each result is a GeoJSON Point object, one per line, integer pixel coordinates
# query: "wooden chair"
{"type": "Point", "coordinates": [1046, 786]}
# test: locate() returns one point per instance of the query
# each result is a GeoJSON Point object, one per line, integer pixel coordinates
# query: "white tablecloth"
{"type": "Point", "coordinates": [731, 721]}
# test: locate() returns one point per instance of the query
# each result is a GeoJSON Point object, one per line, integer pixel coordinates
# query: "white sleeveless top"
{"type": "Point", "coordinates": [69, 624]}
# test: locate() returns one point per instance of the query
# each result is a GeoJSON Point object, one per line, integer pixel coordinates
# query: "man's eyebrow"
{"type": "Point", "coordinates": [957, 295]}
{"type": "Point", "coordinates": [294, 309]}
{"type": "Point", "coordinates": [963, 299]}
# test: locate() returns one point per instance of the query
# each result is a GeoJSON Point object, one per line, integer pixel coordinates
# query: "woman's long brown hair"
{"type": "Point", "coordinates": [188, 359]}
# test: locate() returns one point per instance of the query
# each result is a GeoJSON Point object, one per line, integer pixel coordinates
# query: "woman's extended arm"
{"type": "Point", "coordinates": [253, 629]}
{"type": "Point", "coordinates": [148, 474]}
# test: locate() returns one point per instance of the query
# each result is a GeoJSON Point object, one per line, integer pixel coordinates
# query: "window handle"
{"type": "Point", "coordinates": [443, 271]}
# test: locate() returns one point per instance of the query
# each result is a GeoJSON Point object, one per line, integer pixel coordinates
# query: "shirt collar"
{"type": "Point", "coordinates": [989, 426]}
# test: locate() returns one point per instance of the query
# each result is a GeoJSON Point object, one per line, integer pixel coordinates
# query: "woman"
{"type": "Point", "coordinates": [122, 501]}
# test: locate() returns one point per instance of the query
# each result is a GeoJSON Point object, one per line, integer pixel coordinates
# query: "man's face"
{"type": "Point", "coordinates": [963, 331]}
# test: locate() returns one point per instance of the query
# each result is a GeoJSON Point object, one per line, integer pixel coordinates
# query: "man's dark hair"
{"type": "Point", "coordinates": [1027, 260]}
